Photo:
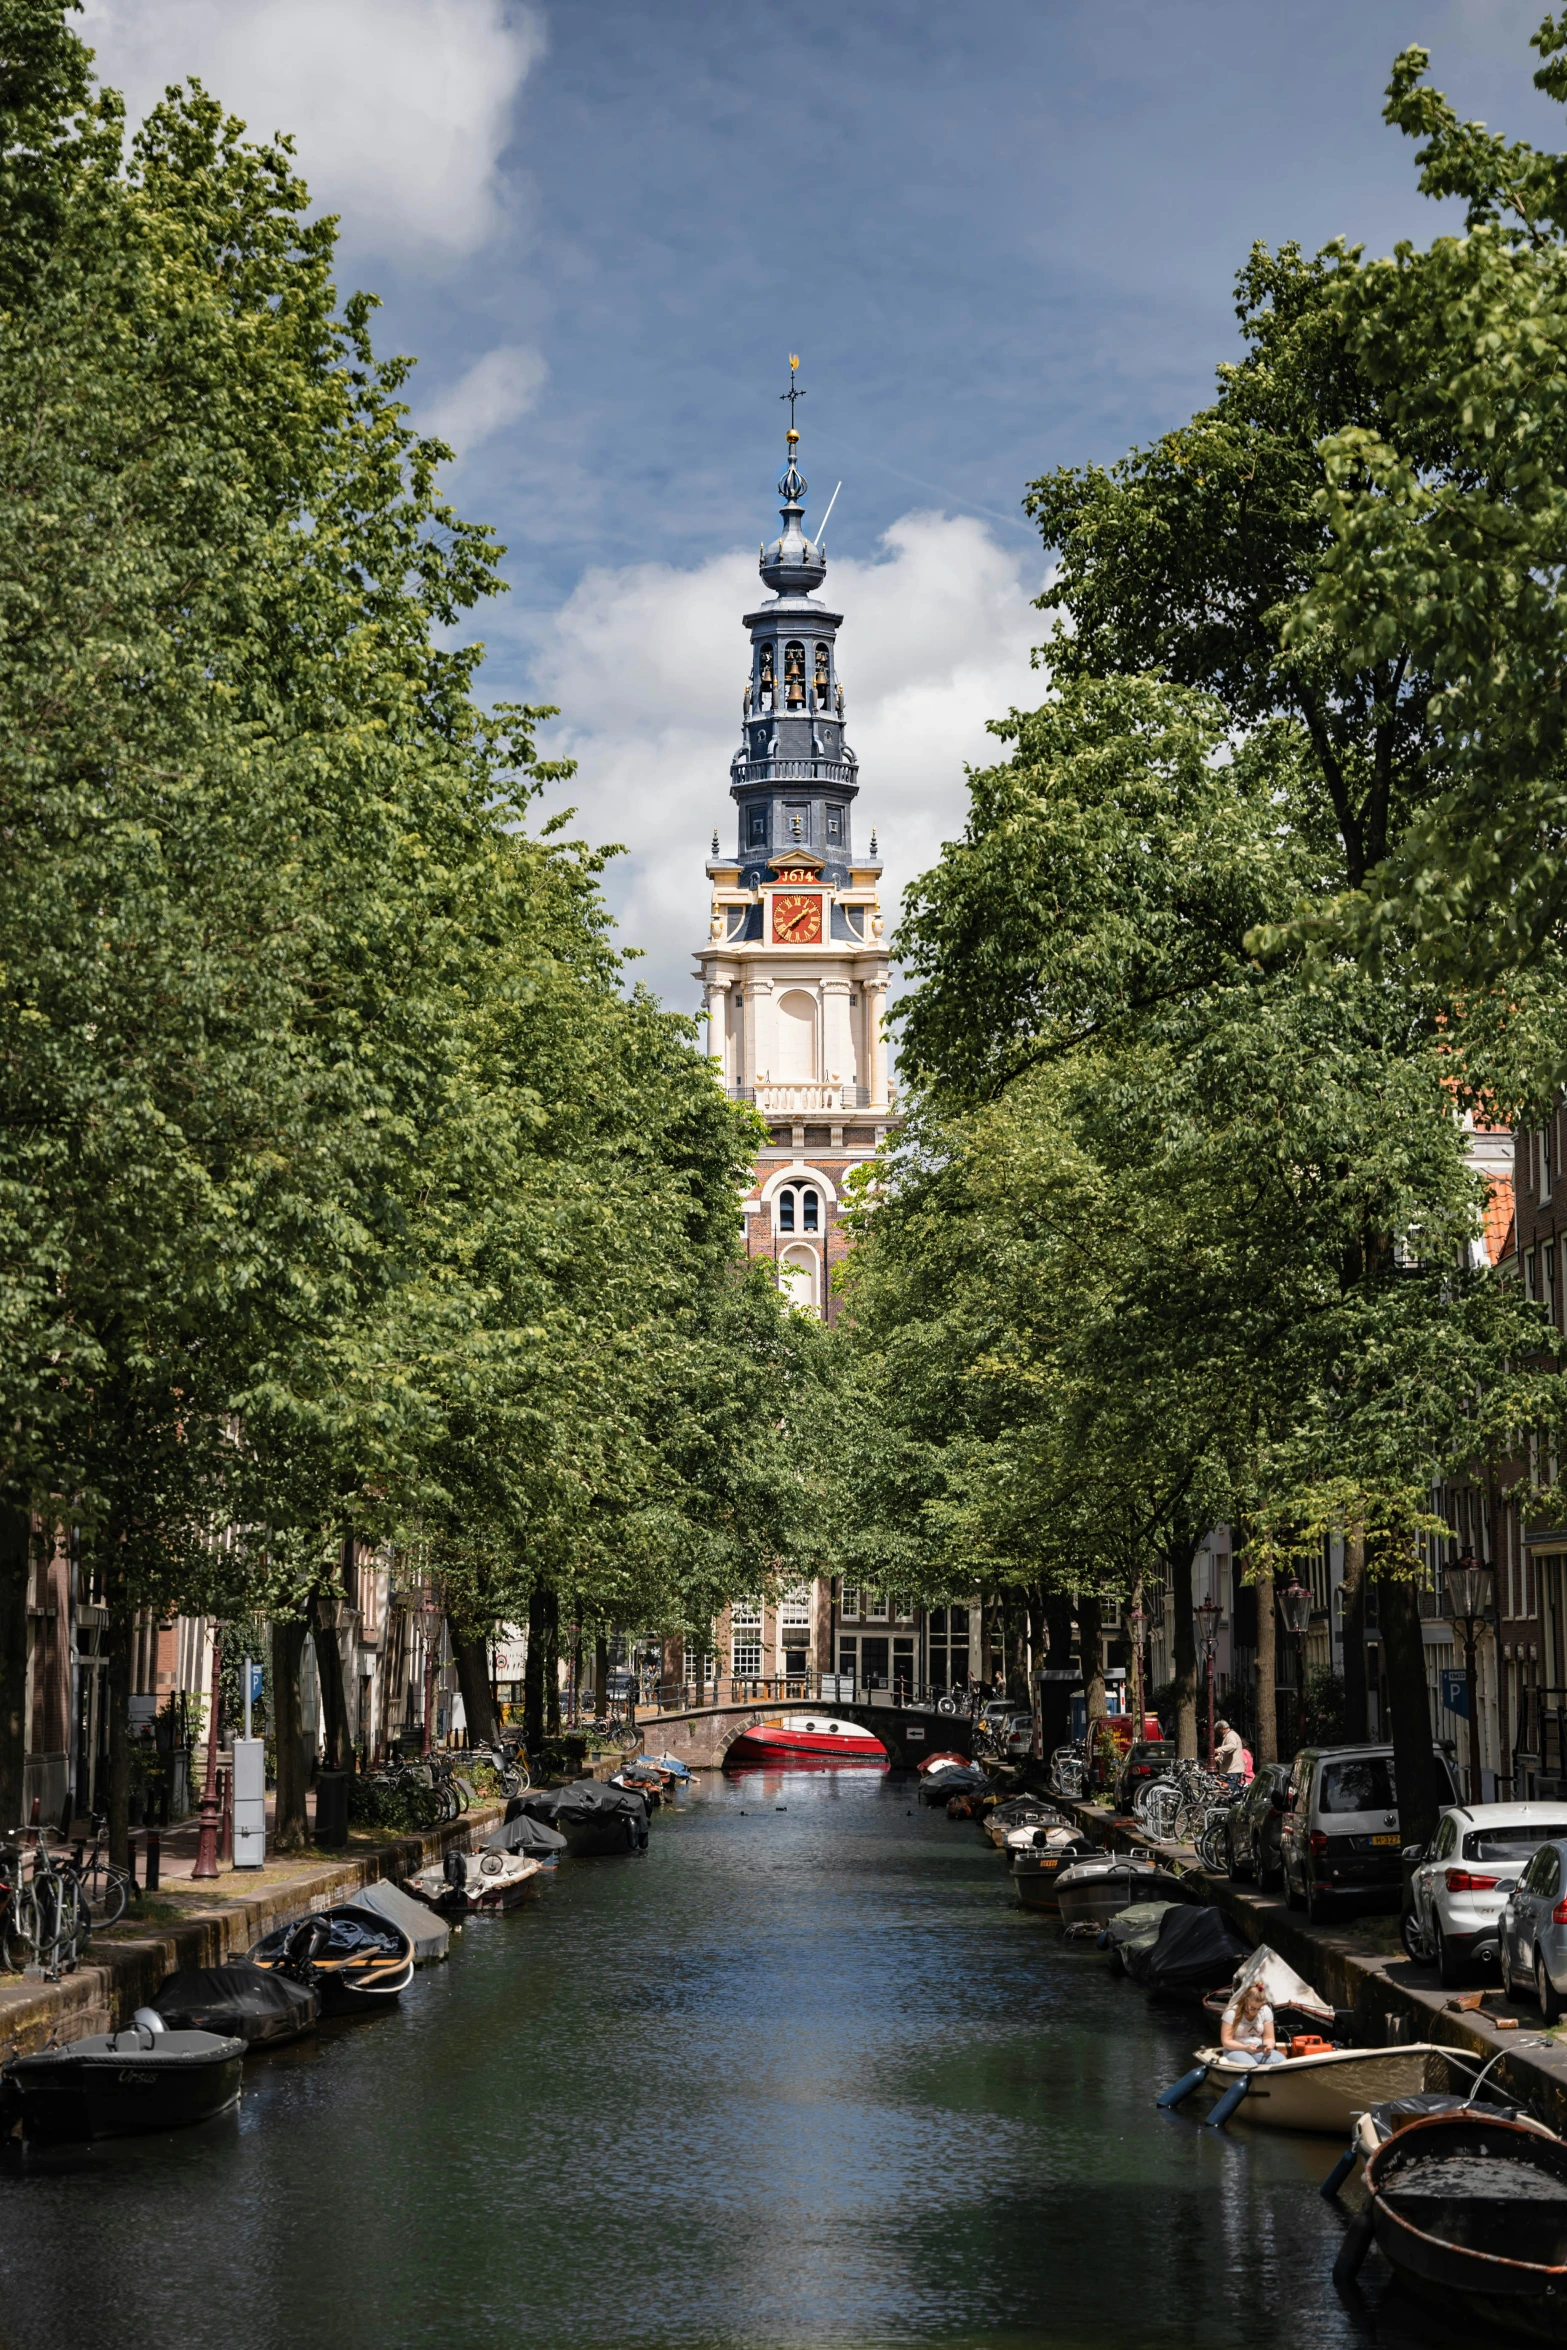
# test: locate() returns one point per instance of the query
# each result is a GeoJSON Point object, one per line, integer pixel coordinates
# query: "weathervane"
{"type": "Point", "coordinates": [793, 393]}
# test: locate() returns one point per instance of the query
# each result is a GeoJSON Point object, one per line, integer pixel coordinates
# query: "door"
{"type": "Point", "coordinates": [1428, 1876]}
{"type": "Point", "coordinates": [1293, 1829]}
{"type": "Point", "coordinates": [1537, 1889]}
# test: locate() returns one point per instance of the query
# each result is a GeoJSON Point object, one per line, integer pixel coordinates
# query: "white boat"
{"type": "Point", "coordinates": [1324, 2091]}
{"type": "Point", "coordinates": [468, 1883]}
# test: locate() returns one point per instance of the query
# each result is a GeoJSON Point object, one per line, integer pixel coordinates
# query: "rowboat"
{"type": "Point", "coordinates": [121, 2084]}
{"type": "Point", "coordinates": [1470, 2209]}
{"type": "Point", "coordinates": [792, 1742]}
{"type": "Point", "coordinates": [238, 2002]}
{"type": "Point", "coordinates": [1323, 2091]}
{"type": "Point", "coordinates": [469, 1885]}
{"type": "Point", "coordinates": [1035, 1873]}
{"type": "Point", "coordinates": [355, 1960]}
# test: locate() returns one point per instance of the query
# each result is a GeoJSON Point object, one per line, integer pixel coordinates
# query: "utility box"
{"type": "Point", "coordinates": [250, 1803]}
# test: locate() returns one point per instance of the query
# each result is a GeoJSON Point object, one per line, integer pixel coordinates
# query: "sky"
{"type": "Point", "coordinates": [1002, 236]}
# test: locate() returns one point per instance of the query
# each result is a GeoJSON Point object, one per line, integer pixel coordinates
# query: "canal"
{"type": "Point", "coordinates": [798, 2076]}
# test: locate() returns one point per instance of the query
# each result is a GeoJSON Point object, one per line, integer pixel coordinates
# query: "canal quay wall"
{"type": "Point", "coordinates": [1347, 1968]}
{"type": "Point", "coordinates": [218, 1920]}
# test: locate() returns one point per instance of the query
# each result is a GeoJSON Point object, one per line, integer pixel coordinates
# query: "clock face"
{"type": "Point", "coordinates": [797, 921]}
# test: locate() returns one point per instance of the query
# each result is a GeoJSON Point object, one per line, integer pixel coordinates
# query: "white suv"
{"type": "Point", "coordinates": [1460, 1886]}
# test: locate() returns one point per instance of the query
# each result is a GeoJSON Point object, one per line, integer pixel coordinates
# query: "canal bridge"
{"type": "Point", "coordinates": [701, 1735]}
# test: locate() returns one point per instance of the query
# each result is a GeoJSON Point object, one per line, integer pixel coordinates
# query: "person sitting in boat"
{"type": "Point", "coordinates": [1228, 1750]}
{"type": "Point", "coordinates": [1246, 2029]}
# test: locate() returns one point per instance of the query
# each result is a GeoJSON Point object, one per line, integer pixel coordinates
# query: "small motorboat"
{"type": "Point", "coordinates": [680, 1772]}
{"type": "Point", "coordinates": [1323, 2089]}
{"type": "Point", "coordinates": [239, 2002]}
{"type": "Point", "coordinates": [1091, 1892]}
{"type": "Point", "coordinates": [1470, 2210]}
{"type": "Point", "coordinates": [121, 2084]}
{"type": "Point", "coordinates": [942, 1784]}
{"type": "Point", "coordinates": [355, 1960]}
{"type": "Point", "coordinates": [470, 1884]}
{"type": "Point", "coordinates": [1037, 1869]}
{"type": "Point", "coordinates": [1020, 1812]}
{"type": "Point", "coordinates": [521, 1832]}
{"type": "Point", "coordinates": [792, 1742]}
{"type": "Point", "coordinates": [1194, 1954]}
{"type": "Point", "coordinates": [595, 1820]}
{"type": "Point", "coordinates": [946, 1760]}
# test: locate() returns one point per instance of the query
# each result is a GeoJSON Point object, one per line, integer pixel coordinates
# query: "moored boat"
{"type": "Point", "coordinates": [121, 2084]}
{"type": "Point", "coordinates": [355, 1960]}
{"type": "Point", "coordinates": [467, 1883]}
{"type": "Point", "coordinates": [595, 1820]}
{"type": "Point", "coordinates": [238, 2002]}
{"type": "Point", "coordinates": [1094, 1891]}
{"type": "Point", "coordinates": [791, 1742]}
{"type": "Point", "coordinates": [1036, 1870]}
{"type": "Point", "coordinates": [1470, 2210]}
{"type": "Point", "coordinates": [1324, 2090]}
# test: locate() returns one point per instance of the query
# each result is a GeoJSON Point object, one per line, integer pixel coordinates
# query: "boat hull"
{"type": "Point", "coordinates": [1323, 2094]}
{"type": "Point", "coordinates": [798, 1745]}
{"type": "Point", "coordinates": [99, 2088]}
{"type": "Point", "coordinates": [1095, 1900]}
{"type": "Point", "coordinates": [1035, 1875]}
{"type": "Point", "coordinates": [1501, 2262]}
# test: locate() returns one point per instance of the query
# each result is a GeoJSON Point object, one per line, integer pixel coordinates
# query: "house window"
{"type": "Point", "coordinates": [745, 1640]}
{"type": "Point", "coordinates": [876, 1607]}
{"type": "Point", "coordinates": [799, 1210]}
{"type": "Point", "coordinates": [795, 1607]}
{"type": "Point", "coordinates": [1548, 1278]}
{"type": "Point", "coordinates": [850, 1604]}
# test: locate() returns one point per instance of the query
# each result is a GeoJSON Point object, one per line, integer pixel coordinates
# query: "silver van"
{"type": "Point", "coordinates": [1339, 1834]}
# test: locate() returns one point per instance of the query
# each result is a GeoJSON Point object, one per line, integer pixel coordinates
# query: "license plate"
{"type": "Point", "coordinates": [1384, 1839]}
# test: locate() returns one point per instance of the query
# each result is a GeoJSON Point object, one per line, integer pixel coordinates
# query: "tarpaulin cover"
{"type": "Point", "coordinates": [1281, 1983]}
{"type": "Point", "coordinates": [519, 1832]}
{"type": "Point", "coordinates": [1195, 1950]}
{"type": "Point", "coordinates": [584, 1799]}
{"type": "Point", "coordinates": [240, 2002]}
{"type": "Point", "coordinates": [431, 1936]}
{"type": "Point", "coordinates": [1138, 1927]}
{"type": "Point", "coordinates": [341, 1933]}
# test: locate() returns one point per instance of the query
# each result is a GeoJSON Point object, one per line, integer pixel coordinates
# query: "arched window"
{"type": "Point", "coordinates": [765, 679]}
{"type": "Point", "coordinates": [786, 1211]}
{"type": "Point", "coordinates": [799, 1209]}
{"type": "Point", "coordinates": [821, 677]}
{"type": "Point", "coordinates": [810, 1211]}
{"type": "Point", "coordinates": [794, 675]}
{"type": "Point", "coordinates": [797, 1279]}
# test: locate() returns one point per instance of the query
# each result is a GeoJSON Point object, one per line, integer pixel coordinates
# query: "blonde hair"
{"type": "Point", "coordinates": [1251, 2000]}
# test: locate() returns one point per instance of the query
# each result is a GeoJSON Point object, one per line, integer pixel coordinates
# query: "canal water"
{"type": "Point", "coordinates": [799, 2076]}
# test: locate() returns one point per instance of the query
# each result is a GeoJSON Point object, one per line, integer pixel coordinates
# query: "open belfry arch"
{"type": "Point", "coordinates": [794, 971]}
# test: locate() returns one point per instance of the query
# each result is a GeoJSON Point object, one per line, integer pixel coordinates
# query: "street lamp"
{"type": "Point", "coordinates": [1469, 1589]}
{"type": "Point", "coordinates": [1134, 1620]}
{"type": "Point", "coordinates": [211, 1811]}
{"type": "Point", "coordinates": [1208, 1626]}
{"type": "Point", "coordinates": [1295, 1600]}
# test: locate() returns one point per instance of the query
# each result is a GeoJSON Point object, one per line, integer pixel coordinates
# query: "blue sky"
{"type": "Point", "coordinates": [1002, 235]}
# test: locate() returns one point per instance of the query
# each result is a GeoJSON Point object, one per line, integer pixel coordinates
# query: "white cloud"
{"type": "Point", "coordinates": [649, 663]}
{"type": "Point", "coordinates": [497, 391]}
{"type": "Point", "coordinates": [400, 109]}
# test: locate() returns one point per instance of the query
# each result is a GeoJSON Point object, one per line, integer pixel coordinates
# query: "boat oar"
{"type": "Point", "coordinates": [1338, 2174]}
{"type": "Point", "coordinates": [1228, 2102]}
{"type": "Point", "coordinates": [1179, 2091]}
{"type": "Point", "coordinates": [1353, 2250]}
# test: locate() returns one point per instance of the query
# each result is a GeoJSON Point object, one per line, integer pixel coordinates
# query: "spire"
{"type": "Point", "coordinates": [791, 566]}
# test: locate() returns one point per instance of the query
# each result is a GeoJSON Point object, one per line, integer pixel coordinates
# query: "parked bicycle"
{"type": "Point", "coordinates": [1179, 1808]}
{"type": "Point", "coordinates": [46, 1919]}
{"type": "Point", "coordinates": [105, 1888]}
{"type": "Point", "coordinates": [1068, 1772]}
{"type": "Point", "coordinates": [509, 1764]}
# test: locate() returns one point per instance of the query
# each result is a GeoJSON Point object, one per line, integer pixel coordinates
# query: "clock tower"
{"type": "Point", "coordinates": [794, 971]}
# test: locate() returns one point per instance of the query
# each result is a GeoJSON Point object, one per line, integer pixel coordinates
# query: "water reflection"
{"type": "Point", "coordinates": [802, 2075]}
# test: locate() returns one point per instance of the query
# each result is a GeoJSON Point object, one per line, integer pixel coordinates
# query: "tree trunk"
{"type": "Point", "coordinates": [334, 1699]}
{"type": "Point", "coordinates": [672, 1669]}
{"type": "Point", "coordinates": [122, 1619]}
{"type": "Point", "coordinates": [1015, 1624]}
{"type": "Point", "coordinates": [15, 1543]}
{"type": "Point", "coordinates": [288, 1653]}
{"type": "Point", "coordinates": [1267, 1673]}
{"type": "Point", "coordinates": [1184, 1646]}
{"type": "Point", "coordinates": [1089, 1631]}
{"type": "Point", "coordinates": [1356, 1715]}
{"type": "Point", "coordinates": [552, 1662]}
{"type": "Point", "coordinates": [601, 1675]}
{"type": "Point", "coordinates": [533, 1674]}
{"type": "Point", "coordinates": [1421, 1793]}
{"type": "Point", "coordinates": [473, 1679]}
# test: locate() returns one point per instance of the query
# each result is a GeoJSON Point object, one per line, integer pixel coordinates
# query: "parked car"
{"type": "Point", "coordinates": [1459, 1884]}
{"type": "Point", "coordinates": [1533, 1932]}
{"type": "Point", "coordinates": [1017, 1736]}
{"type": "Point", "coordinates": [1146, 1758]}
{"type": "Point", "coordinates": [1339, 1836]}
{"type": "Point", "coordinates": [1251, 1827]}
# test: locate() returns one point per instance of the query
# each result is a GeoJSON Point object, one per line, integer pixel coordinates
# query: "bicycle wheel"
{"type": "Point", "coordinates": [520, 1779]}
{"type": "Point", "coordinates": [21, 1930]}
{"type": "Point", "coordinates": [1161, 1811]}
{"type": "Point", "coordinates": [1213, 1845]}
{"type": "Point", "coordinates": [109, 1895]}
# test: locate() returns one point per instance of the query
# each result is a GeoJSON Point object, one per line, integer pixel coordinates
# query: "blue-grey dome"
{"type": "Point", "coordinates": [791, 566]}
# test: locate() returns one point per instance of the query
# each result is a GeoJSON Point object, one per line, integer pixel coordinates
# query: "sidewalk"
{"type": "Point", "coordinates": [1360, 1964]}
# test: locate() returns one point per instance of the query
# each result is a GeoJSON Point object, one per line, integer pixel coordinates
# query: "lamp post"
{"type": "Point", "coordinates": [1208, 1627]}
{"type": "Point", "coordinates": [1134, 1619]}
{"type": "Point", "coordinates": [207, 1837]}
{"type": "Point", "coordinates": [1469, 1589]}
{"type": "Point", "coordinates": [1296, 1603]}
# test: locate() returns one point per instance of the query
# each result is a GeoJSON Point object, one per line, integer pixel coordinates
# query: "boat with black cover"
{"type": "Point", "coordinates": [121, 2084]}
{"type": "Point", "coordinates": [521, 1832]}
{"type": "Point", "coordinates": [1471, 2212]}
{"type": "Point", "coordinates": [354, 1960]}
{"type": "Point", "coordinates": [1194, 1953]}
{"type": "Point", "coordinates": [240, 2002]}
{"type": "Point", "coordinates": [594, 1819]}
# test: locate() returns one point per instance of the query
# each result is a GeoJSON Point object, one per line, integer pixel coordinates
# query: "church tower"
{"type": "Point", "coordinates": [794, 972]}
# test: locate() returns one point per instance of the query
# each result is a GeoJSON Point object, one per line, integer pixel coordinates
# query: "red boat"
{"type": "Point", "coordinates": [793, 1742]}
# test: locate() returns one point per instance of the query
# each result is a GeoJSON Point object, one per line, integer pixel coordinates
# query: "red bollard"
{"type": "Point", "coordinates": [150, 1877]}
